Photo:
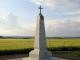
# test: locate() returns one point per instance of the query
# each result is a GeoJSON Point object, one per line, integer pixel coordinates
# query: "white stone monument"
{"type": "Point", "coordinates": [40, 52]}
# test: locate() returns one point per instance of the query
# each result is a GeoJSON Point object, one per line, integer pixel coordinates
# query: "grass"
{"type": "Point", "coordinates": [70, 55]}
{"type": "Point", "coordinates": [23, 46]}
{"type": "Point", "coordinates": [12, 44]}
{"type": "Point", "coordinates": [63, 42]}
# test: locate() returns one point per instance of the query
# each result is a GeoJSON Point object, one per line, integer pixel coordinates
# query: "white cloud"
{"type": "Point", "coordinates": [70, 27]}
{"type": "Point", "coordinates": [2, 17]}
{"type": "Point", "coordinates": [9, 26]}
{"type": "Point", "coordinates": [66, 28]}
{"type": "Point", "coordinates": [49, 3]}
{"type": "Point", "coordinates": [64, 6]}
{"type": "Point", "coordinates": [55, 3]}
{"type": "Point", "coordinates": [58, 27]}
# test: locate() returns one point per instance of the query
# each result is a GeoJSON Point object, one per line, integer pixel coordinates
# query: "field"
{"type": "Point", "coordinates": [23, 46]}
{"type": "Point", "coordinates": [12, 44]}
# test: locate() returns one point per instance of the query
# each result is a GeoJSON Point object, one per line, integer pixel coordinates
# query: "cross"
{"type": "Point", "coordinates": [40, 9]}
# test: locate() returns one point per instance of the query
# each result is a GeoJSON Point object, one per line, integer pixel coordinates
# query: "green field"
{"type": "Point", "coordinates": [10, 44]}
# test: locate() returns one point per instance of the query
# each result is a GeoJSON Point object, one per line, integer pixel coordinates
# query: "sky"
{"type": "Point", "coordinates": [18, 17]}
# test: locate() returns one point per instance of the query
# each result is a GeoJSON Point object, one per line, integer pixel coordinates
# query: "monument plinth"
{"type": "Point", "coordinates": [40, 52]}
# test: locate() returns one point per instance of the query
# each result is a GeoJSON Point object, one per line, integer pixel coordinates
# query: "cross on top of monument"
{"type": "Point", "coordinates": [40, 9]}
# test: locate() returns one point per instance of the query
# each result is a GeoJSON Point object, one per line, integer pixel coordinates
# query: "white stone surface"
{"type": "Point", "coordinates": [40, 42]}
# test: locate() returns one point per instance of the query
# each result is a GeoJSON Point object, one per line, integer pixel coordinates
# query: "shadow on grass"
{"type": "Point", "coordinates": [62, 52]}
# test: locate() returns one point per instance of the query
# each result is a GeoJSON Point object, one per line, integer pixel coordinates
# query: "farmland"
{"type": "Point", "coordinates": [12, 44]}
{"type": "Point", "coordinates": [9, 46]}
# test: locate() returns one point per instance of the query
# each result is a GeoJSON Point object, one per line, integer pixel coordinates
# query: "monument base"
{"type": "Point", "coordinates": [43, 53]}
{"type": "Point", "coordinates": [37, 54]}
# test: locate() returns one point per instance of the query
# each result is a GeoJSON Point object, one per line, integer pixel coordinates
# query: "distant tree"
{"type": "Point", "coordinates": [1, 36]}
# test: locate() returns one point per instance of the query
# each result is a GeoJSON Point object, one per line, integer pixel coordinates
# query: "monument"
{"type": "Point", "coordinates": [40, 52]}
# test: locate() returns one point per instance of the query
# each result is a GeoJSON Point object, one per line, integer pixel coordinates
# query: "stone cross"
{"type": "Point", "coordinates": [40, 9]}
{"type": "Point", "coordinates": [40, 51]}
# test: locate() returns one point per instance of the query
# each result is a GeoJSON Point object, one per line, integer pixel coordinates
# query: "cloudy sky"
{"type": "Point", "coordinates": [18, 17]}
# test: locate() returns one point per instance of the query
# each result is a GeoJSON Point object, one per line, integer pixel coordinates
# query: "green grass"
{"type": "Point", "coordinates": [11, 44]}
{"type": "Point", "coordinates": [63, 42]}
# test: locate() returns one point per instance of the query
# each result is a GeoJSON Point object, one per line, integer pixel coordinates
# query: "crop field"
{"type": "Point", "coordinates": [12, 44]}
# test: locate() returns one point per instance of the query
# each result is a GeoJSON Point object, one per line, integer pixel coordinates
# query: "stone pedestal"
{"type": "Point", "coordinates": [36, 53]}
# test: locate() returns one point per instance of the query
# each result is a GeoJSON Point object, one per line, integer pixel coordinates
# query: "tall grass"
{"type": "Point", "coordinates": [13, 44]}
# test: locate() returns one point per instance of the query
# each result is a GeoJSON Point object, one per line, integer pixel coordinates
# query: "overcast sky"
{"type": "Point", "coordinates": [18, 17]}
